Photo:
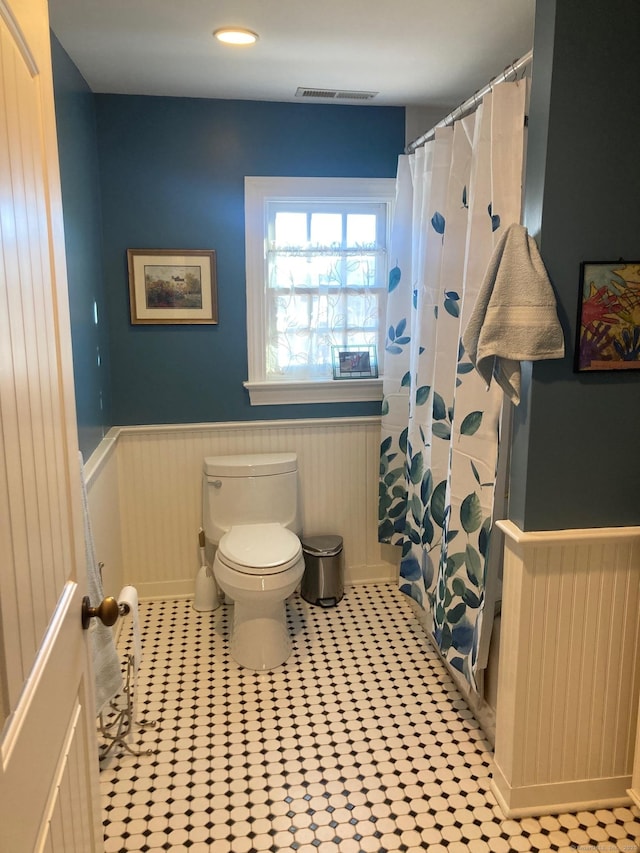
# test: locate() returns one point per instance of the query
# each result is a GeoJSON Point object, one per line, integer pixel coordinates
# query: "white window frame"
{"type": "Point", "coordinates": [259, 191]}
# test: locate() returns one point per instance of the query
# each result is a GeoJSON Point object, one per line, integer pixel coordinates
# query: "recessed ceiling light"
{"type": "Point", "coordinates": [235, 35]}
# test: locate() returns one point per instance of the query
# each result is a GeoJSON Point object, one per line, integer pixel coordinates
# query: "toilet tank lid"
{"type": "Point", "coordinates": [250, 464]}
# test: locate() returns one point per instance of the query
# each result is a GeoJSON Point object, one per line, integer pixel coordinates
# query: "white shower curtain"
{"type": "Point", "coordinates": [439, 449]}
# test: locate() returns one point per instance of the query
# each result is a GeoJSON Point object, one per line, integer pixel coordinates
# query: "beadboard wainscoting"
{"type": "Point", "coordinates": [103, 497]}
{"type": "Point", "coordinates": [634, 790]}
{"type": "Point", "coordinates": [568, 679]}
{"type": "Point", "coordinates": [159, 499]}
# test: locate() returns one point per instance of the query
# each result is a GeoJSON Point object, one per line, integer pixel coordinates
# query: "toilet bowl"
{"type": "Point", "coordinates": [251, 513]}
{"type": "Point", "coordinates": [258, 566]}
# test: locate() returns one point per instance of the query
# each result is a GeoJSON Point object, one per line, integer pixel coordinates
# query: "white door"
{"type": "Point", "coordinates": [48, 760]}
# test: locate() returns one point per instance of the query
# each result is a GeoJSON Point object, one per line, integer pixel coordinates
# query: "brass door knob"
{"type": "Point", "coordinates": [107, 611]}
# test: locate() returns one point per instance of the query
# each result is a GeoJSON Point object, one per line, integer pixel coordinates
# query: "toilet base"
{"type": "Point", "coordinates": [260, 638]}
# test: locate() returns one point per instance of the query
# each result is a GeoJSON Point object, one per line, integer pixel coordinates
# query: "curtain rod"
{"type": "Point", "coordinates": [471, 103]}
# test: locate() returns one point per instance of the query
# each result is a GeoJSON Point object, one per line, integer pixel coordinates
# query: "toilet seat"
{"type": "Point", "coordinates": [259, 549]}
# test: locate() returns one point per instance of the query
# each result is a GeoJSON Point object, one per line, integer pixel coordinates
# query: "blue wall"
{"type": "Point", "coordinates": [172, 176]}
{"type": "Point", "coordinates": [77, 143]}
{"type": "Point", "coordinates": [576, 456]}
{"type": "Point", "coordinates": [172, 172]}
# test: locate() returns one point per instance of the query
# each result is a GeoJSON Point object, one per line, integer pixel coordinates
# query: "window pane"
{"type": "Point", "coordinates": [316, 271]}
{"type": "Point", "coordinates": [290, 229]}
{"type": "Point", "coordinates": [361, 229]}
{"type": "Point", "coordinates": [287, 271]}
{"type": "Point", "coordinates": [304, 326]}
{"type": "Point", "coordinates": [326, 229]}
{"type": "Point", "coordinates": [361, 271]}
{"type": "Point", "coordinates": [362, 317]}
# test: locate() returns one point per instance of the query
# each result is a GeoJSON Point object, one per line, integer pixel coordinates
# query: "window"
{"type": "Point", "coordinates": [317, 269]}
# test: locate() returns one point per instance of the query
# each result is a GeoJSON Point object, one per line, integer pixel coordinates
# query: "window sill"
{"type": "Point", "coordinates": [334, 391]}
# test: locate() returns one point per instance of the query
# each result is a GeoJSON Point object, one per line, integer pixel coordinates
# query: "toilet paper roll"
{"type": "Point", "coordinates": [128, 602]}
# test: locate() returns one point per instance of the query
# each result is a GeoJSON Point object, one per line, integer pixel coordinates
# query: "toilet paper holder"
{"type": "Point", "coordinates": [116, 731]}
{"type": "Point", "coordinates": [116, 723]}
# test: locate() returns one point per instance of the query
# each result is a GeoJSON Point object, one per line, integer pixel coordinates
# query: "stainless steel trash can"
{"type": "Point", "coordinates": [323, 578]}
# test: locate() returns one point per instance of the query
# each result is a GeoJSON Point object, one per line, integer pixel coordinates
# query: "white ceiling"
{"type": "Point", "coordinates": [428, 53]}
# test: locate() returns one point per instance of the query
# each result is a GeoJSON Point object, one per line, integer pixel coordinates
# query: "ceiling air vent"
{"type": "Point", "coordinates": [334, 94]}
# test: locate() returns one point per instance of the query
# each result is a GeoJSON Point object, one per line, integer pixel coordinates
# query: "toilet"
{"type": "Point", "coordinates": [251, 513]}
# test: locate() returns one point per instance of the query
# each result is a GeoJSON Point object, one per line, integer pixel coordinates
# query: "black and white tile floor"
{"type": "Point", "coordinates": [359, 743]}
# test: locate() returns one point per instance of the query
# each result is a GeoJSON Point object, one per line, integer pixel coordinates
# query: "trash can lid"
{"type": "Point", "coordinates": [325, 546]}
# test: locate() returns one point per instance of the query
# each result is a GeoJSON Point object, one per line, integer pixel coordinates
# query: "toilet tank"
{"type": "Point", "coordinates": [252, 488]}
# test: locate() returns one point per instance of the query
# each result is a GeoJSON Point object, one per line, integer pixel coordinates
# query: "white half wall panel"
{"type": "Point", "coordinates": [568, 680]}
{"type": "Point", "coordinates": [159, 473]}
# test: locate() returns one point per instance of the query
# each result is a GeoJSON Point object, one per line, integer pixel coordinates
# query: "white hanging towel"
{"type": "Point", "coordinates": [106, 664]}
{"type": "Point", "coordinates": [515, 316]}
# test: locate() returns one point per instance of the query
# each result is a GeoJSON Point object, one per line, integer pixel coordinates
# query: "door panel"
{"type": "Point", "coordinates": [46, 743]}
{"type": "Point", "coordinates": [48, 752]}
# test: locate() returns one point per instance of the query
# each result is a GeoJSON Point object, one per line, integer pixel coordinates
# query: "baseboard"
{"type": "Point", "coordinates": [559, 797]}
{"type": "Point", "coordinates": [634, 797]}
{"type": "Point", "coordinates": [178, 589]}
{"type": "Point", "coordinates": [380, 573]}
{"type": "Point", "coordinates": [165, 590]}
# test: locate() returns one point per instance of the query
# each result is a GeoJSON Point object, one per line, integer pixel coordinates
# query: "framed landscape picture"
{"type": "Point", "coordinates": [172, 286]}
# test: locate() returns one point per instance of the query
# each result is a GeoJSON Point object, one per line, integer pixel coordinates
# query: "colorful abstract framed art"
{"type": "Point", "coordinates": [608, 329]}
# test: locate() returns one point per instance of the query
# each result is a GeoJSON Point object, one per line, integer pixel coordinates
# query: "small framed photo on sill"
{"type": "Point", "coordinates": [172, 286]}
{"type": "Point", "coordinates": [355, 362]}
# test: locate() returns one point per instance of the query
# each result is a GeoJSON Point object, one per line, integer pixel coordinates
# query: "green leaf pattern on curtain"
{"type": "Point", "coordinates": [438, 454]}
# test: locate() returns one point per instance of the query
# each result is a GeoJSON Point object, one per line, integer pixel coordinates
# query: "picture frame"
{"type": "Point", "coordinates": [608, 327]}
{"type": "Point", "coordinates": [358, 361]}
{"type": "Point", "coordinates": [172, 286]}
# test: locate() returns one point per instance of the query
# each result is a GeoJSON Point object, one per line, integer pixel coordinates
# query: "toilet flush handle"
{"type": "Point", "coordinates": [217, 484]}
